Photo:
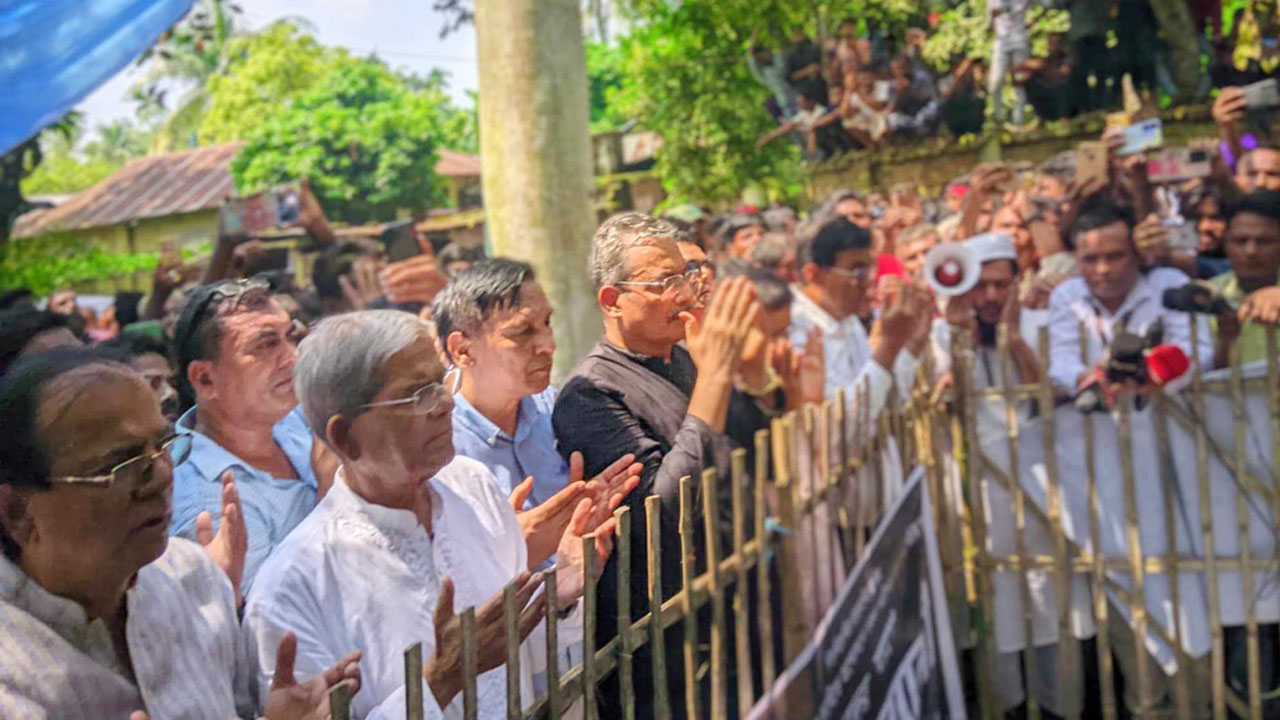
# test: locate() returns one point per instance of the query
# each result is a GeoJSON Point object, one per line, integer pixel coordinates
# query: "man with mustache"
{"type": "Point", "coordinates": [235, 349]}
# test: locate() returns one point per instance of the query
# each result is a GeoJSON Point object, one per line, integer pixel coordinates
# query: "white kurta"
{"type": "Point", "coordinates": [189, 658]}
{"type": "Point", "coordinates": [358, 576]}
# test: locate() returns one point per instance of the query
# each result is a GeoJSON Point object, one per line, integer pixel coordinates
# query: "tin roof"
{"type": "Point", "coordinates": [170, 184]}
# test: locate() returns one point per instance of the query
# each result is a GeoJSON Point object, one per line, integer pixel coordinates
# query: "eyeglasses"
{"type": "Point", "coordinates": [679, 283]}
{"type": "Point", "coordinates": [139, 471]}
{"type": "Point", "coordinates": [862, 273]}
{"type": "Point", "coordinates": [427, 399]}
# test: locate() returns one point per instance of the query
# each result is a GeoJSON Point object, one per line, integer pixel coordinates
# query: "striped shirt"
{"type": "Point", "coordinates": [189, 657]}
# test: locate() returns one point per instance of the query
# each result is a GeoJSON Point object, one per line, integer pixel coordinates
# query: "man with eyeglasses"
{"type": "Point", "coordinates": [640, 392]}
{"type": "Point", "coordinates": [235, 349]}
{"type": "Point", "coordinates": [833, 297]}
{"type": "Point", "coordinates": [103, 614]}
{"type": "Point", "coordinates": [410, 533]}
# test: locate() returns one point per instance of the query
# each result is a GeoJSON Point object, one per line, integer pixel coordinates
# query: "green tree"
{"type": "Point", "coordinates": [19, 163]}
{"type": "Point", "coordinates": [264, 73]}
{"type": "Point", "coordinates": [367, 142]}
{"type": "Point", "coordinates": [606, 73]}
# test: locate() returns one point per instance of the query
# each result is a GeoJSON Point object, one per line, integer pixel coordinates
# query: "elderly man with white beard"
{"type": "Point", "coordinates": [410, 535]}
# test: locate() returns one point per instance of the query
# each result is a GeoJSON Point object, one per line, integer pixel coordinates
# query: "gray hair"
{"type": "Point", "coordinates": [771, 250]}
{"type": "Point", "coordinates": [619, 234]}
{"type": "Point", "coordinates": [342, 362]}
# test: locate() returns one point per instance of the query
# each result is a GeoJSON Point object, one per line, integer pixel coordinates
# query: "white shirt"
{"type": "Point", "coordinates": [1010, 23]}
{"type": "Point", "coordinates": [359, 576]}
{"type": "Point", "coordinates": [189, 657]}
{"type": "Point", "coordinates": [1072, 303]}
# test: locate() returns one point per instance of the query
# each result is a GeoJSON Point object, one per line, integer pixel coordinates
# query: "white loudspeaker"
{"type": "Point", "coordinates": [952, 269]}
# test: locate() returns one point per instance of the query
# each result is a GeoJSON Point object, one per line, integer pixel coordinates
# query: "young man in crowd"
{"type": "Point", "coordinates": [639, 391]}
{"type": "Point", "coordinates": [104, 615]}
{"type": "Point", "coordinates": [1252, 243]}
{"type": "Point", "coordinates": [150, 357]}
{"type": "Point", "coordinates": [1111, 294]}
{"type": "Point", "coordinates": [741, 233]}
{"type": "Point", "coordinates": [833, 298]}
{"type": "Point", "coordinates": [411, 534]}
{"type": "Point", "coordinates": [913, 245]}
{"type": "Point", "coordinates": [235, 349]}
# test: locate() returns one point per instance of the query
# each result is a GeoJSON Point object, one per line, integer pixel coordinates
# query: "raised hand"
{"type": "Point", "coordinates": [417, 279]}
{"type": "Point", "coordinates": [570, 556]}
{"type": "Point", "coordinates": [443, 672]}
{"type": "Point", "coordinates": [543, 525]}
{"type": "Point", "coordinates": [715, 342]}
{"type": "Point", "coordinates": [229, 547]}
{"type": "Point", "coordinates": [291, 700]}
{"type": "Point", "coordinates": [1261, 306]}
{"type": "Point", "coordinates": [361, 287]}
{"type": "Point", "coordinates": [1228, 109]}
{"type": "Point", "coordinates": [608, 489]}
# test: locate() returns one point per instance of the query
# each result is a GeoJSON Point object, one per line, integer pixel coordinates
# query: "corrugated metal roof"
{"type": "Point", "coordinates": [170, 184]}
{"type": "Point", "coordinates": [155, 186]}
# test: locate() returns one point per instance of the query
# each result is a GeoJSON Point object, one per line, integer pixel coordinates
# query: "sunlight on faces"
{"type": "Point", "coordinates": [511, 355]}
{"type": "Point", "coordinates": [769, 325]}
{"type": "Point", "coordinates": [254, 369]}
{"type": "Point", "coordinates": [1260, 170]}
{"type": "Point", "coordinates": [989, 296]}
{"type": "Point", "coordinates": [692, 253]}
{"type": "Point", "coordinates": [648, 314]}
{"type": "Point", "coordinates": [391, 452]}
{"type": "Point", "coordinates": [90, 420]}
{"type": "Point", "coordinates": [1211, 224]}
{"type": "Point", "coordinates": [1253, 247]}
{"type": "Point", "coordinates": [855, 211]}
{"type": "Point", "coordinates": [1007, 221]}
{"type": "Point", "coordinates": [1108, 262]}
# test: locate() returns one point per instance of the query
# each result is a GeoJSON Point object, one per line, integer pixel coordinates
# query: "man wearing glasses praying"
{"type": "Point", "coordinates": [235, 349]}
{"type": "Point", "coordinates": [103, 615]}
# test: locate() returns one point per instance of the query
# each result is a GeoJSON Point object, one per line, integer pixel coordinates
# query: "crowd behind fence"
{"type": "Point", "coordinates": [1160, 519]}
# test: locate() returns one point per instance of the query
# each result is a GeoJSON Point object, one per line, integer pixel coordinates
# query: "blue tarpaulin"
{"type": "Point", "coordinates": [53, 53]}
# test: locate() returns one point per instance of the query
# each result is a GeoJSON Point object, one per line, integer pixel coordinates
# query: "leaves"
{"type": "Point", "coordinates": [365, 139]}
{"type": "Point", "coordinates": [49, 262]}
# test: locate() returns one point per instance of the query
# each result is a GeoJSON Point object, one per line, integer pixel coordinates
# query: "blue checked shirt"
{"type": "Point", "coordinates": [531, 452]}
{"type": "Point", "coordinates": [272, 506]}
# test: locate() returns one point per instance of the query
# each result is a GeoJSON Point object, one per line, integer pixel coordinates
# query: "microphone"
{"type": "Point", "coordinates": [1168, 367]}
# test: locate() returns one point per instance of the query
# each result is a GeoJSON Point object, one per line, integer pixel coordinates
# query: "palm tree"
{"type": "Point", "coordinates": [188, 55]}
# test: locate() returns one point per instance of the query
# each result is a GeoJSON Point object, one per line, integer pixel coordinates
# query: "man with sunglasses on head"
{"type": "Point", "coordinates": [641, 392]}
{"type": "Point", "coordinates": [235, 348]}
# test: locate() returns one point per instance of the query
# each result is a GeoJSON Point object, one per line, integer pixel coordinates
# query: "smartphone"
{"type": "Point", "coordinates": [1262, 94]}
{"type": "Point", "coordinates": [1091, 161]}
{"type": "Point", "coordinates": [883, 91]}
{"type": "Point", "coordinates": [277, 208]}
{"type": "Point", "coordinates": [1179, 164]}
{"type": "Point", "coordinates": [1141, 136]}
{"type": "Point", "coordinates": [400, 240]}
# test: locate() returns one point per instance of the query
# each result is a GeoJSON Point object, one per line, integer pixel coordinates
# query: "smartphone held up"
{"type": "Point", "coordinates": [278, 208]}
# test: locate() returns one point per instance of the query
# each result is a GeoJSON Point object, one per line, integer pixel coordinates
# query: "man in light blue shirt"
{"type": "Point", "coordinates": [236, 349]}
{"type": "Point", "coordinates": [494, 323]}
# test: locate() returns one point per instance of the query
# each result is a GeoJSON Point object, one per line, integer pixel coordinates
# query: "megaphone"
{"type": "Point", "coordinates": [951, 269]}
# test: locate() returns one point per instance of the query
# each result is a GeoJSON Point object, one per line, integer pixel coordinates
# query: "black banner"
{"type": "Point", "coordinates": [884, 650]}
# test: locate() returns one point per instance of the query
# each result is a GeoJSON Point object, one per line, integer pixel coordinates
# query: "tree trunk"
{"type": "Point", "coordinates": [535, 150]}
{"type": "Point", "coordinates": [1179, 31]}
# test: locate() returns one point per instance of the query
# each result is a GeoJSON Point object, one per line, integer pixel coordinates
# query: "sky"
{"type": "Point", "coordinates": [404, 33]}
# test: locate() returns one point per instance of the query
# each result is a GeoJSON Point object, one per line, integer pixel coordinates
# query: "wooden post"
{"type": "Point", "coordinates": [536, 155]}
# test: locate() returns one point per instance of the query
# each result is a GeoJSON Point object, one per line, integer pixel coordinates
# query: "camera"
{"type": "Point", "coordinates": [1197, 298]}
{"type": "Point", "coordinates": [1126, 361]}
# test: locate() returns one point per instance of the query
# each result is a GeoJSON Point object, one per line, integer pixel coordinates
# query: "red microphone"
{"type": "Point", "coordinates": [1168, 367]}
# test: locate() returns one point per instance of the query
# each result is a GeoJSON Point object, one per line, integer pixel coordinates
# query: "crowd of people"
{"type": "Point", "coordinates": [237, 493]}
{"type": "Point", "coordinates": [867, 87]}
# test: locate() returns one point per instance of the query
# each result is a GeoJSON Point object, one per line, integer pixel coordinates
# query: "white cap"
{"type": "Point", "coordinates": [989, 247]}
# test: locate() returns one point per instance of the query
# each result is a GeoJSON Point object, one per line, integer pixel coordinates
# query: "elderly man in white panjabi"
{"type": "Point", "coordinates": [410, 535]}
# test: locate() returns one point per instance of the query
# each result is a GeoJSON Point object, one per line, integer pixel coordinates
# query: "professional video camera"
{"type": "Point", "coordinates": [1127, 360]}
{"type": "Point", "coordinates": [1196, 297]}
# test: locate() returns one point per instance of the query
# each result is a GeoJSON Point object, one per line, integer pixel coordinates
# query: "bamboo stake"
{"type": "Point", "coordinates": [340, 702]}
{"type": "Point", "coordinates": [626, 686]}
{"type": "Point", "coordinates": [1242, 521]}
{"type": "Point", "coordinates": [589, 660]}
{"type": "Point", "coordinates": [511, 622]}
{"type": "Point", "coordinates": [413, 701]}
{"type": "Point", "coordinates": [741, 595]}
{"type": "Point", "coordinates": [1168, 477]}
{"type": "Point", "coordinates": [469, 664]}
{"type": "Point", "coordinates": [688, 560]}
{"type": "Point", "coordinates": [554, 701]}
{"type": "Point", "coordinates": [769, 671]}
{"type": "Point", "coordinates": [653, 531]}
{"type": "Point", "coordinates": [719, 667]}
{"type": "Point", "coordinates": [1217, 653]}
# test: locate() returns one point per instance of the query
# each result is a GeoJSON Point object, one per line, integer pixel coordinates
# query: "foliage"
{"type": "Point", "coordinates": [195, 50]}
{"type": "Point", "coordinates": [606, 72]}
{"type": "Point", "coordinates": [264, 73]}
{"type": "Point", "coordinates": [367, 142]}
{"type": "Point", "coordinates": [19, 163]}
{"type": "Point", "coordinates": [49, 262]}
{"type": "Point", "coordinates": [73, 163]}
